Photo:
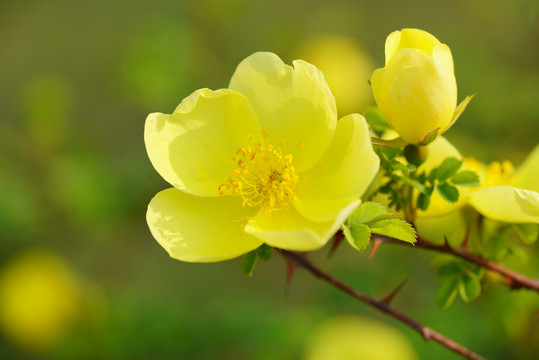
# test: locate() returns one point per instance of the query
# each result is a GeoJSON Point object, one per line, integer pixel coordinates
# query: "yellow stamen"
{"type": "Point", "coordinates": [265, 178]}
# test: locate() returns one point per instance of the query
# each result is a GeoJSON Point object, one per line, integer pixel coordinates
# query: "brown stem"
{"type": "Point", "coordinates": [512, 278]}
{"type": "Point", "coordinates": [427, 333]}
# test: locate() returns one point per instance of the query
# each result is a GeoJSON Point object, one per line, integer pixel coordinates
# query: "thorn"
{"type": "Point", "coordinates": [446, 243]}
{"type": "Point", "coordinates": [375, 245]}
{"type": "Point", "coordinates": [290, 268]}
{"type": "Point", "coordinates": [387, 300]}
{"type": "Point", "coordinates": [339, 237]}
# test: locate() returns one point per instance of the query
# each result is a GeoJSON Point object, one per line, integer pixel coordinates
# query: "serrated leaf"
{"type": "Point", "coordinates": [448, 168]}
{"type": "Point", "coordinates": [469, 287]}
{"type": "Point", "coordinates": [447, 293]}
{"type": "Point", "coordinates": [448, 192]}
{"type": "Point", "coordinates": [395, 228]}
{"type": "Point", "coordinates": [358, 236]}
{"type": "Point", "coordinates": [264, 252]}
{"type": "Point", "coordinates": [527, 232]}
{"type": "Point", "coordinates": [368, 212]}
{"type": "Point", "coordinates": [466, 178]}
{"type": "Point", "coordinates": [376, 120]}
{"type": "Point", "coordinates": [248, 263]}
{"type": "Point", "coordinates": [423, 201]}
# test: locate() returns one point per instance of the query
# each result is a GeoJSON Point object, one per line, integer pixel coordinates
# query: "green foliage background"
{"type": "Point", "coordinates": [80, 77]}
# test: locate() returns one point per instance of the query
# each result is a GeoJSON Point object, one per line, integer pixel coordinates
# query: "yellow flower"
{"type": "Point", "coordinates": [40, 300]}
{"type": "Point", "coordinates": [350, 337]}
{"type": "Point", "coordinates": [264, 161]}
{"type": "Point", "coordinates": [346, 68]}
{"type": "Point", "coordinates": [513, 199]}
{"type": "Point", "coordinates": [416, 91]}
{"type": "Point", "coordinates": [504, 195]}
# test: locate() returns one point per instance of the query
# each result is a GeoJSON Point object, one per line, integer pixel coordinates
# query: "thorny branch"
{"type": "Point", "coordinates": [382, 305]}
{"type": "Point", "coordinates": [513, 279]}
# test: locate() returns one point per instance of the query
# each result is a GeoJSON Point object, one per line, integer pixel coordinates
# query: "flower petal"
{"type": "Point", "coordinates": [199, 229]}
{"type": "Point", "coordinates": [382, 79]}
{"type": "Point", "coordinates": [193, 148]}
{"type": "Point", "coordinates": [294, 104]}
{"type": "Point", "coordinates": [409, 38]}
{"type": "Point", "coordinates": [506, 203]}
{"type": "Point", "coordinates": [424, 94]}
{"type": "Point", "coordinates": [346, 171]}
{"type": "Point", "coordinates": [527, 175]}
{"type": "Point", "coordinates": [287, 229]}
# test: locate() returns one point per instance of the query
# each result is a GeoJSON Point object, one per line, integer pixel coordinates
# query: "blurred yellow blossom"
{"type": "Point", "coordinates": [346, 67]}
{"type": "Point", "coordinates": [504, 195]}
{"type": "Point", "coordinates": [40, 299]}
{"type": "Point", "coordinates": [349, 337]}
{"type": "Point", "coordinates": [264, 161]}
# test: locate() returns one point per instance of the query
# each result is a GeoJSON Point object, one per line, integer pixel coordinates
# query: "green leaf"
{"type": "Point", "coordinates": [358, 236]}
{"type": "Point", "coordinates": [460, 109]}
{"type": "Point", "coordinates": [248, 263]}
{"type": "Point", "coordinates": [469, 287]}
{"type": "Point", "coordinates": [376, 120]}
{"type": "Point", "coordinates": [414, 183]}
{"type": "Point", "coordinates": [393, 143]}
{"type": "Point", "coordinates": [264, 252]}
{"type": "Point", "coordinates": [423, 201]}
{"type": "Point", "coordinates": [397, 165]}
{"type": "Point", "coordinates": [527, 232]}
{"type": "Point", "coordinates": [466, 178]}
{"type": "Point", "coordinates": [395, 228]}
{"type": "Point", "coordinates": [368, 212]}
{"type": "Point", "coordinates": [430, 137]}
{"type": "Point", "coordinates": [448, 168]}
{"type": "Point", "coordinates": [448, 191]}
{"type": "Point", "coordinates": [450, 270]}
{"type": "Point", "coordinates": [447, 293]}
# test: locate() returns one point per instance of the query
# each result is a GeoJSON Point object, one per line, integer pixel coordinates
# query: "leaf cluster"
{"type": "Point", "coordinates": [373, 218]}
{"type": "Point", "coordinates": [458, 277]}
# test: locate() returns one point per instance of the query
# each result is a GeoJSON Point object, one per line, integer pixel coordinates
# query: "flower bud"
{"type": "Point", "coordinates": [416, 91]}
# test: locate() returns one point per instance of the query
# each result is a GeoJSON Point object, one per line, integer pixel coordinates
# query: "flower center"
{"type": "Point", "coordinates": [495, 174]}
{"type": "Point", "coordinates": [264, 178]}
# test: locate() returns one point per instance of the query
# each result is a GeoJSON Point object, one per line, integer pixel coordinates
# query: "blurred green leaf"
{"type": "Point", "coordinates": [423, 201]}
{"type": "Point", "coordinates": [447, 293]}
{"type": "Point", "coordinates": [414, 183]}
{"type": "Point", "coordinates": [264, 252]}
{"type": "Point", "coordinates": [430, 137]}
{"type": "Point", "coordinates": [466, 178]}
{"type": "Point", "coordinates": [527, 232]}
{"type": "Point", "coordinates": [469, 287]}
{"type": "Point", "coordinates": [448, 191]}
{"type": "Point", "coordinates": [248, 263]}
{"type": "Point", "coordinates": [448, 168]}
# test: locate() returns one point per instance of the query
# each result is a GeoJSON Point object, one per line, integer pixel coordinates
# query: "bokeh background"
{"type": "Point", "coordinates": [80, 275]}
